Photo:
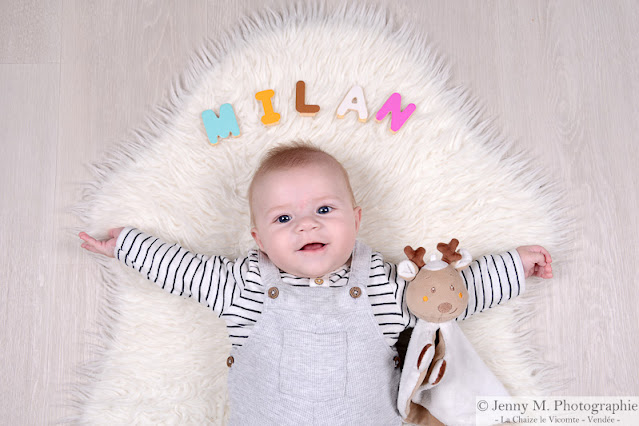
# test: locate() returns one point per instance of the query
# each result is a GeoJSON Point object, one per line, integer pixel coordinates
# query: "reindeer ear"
{"type": "Point", "coordinates": [407, 270]}
{"type": "Point", "coordinates": [465, 260]}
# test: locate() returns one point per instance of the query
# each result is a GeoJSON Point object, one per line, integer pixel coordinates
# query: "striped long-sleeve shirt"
{"type": "Point", "coordinates": [234, 291]}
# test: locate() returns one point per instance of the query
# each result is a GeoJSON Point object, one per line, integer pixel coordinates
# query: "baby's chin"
{"type": "Point", "coordinates": [313, 272]}
{"type": "Point", "coordinates": [314, 264]}
{"type": "Point", "coordinates": [310, 273]}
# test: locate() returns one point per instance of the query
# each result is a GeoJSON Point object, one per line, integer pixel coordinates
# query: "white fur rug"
{"type": "Point", "coordinates": [445, 173]}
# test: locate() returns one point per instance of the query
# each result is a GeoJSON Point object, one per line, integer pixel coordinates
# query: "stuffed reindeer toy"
{"type": "Point", "coordinates": [442, 373]}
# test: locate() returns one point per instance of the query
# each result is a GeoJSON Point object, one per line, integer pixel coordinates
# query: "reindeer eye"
{"type": "Point", "coordinates": [432, 289]}
{"type": "Point", "coordinates": [452, 287]}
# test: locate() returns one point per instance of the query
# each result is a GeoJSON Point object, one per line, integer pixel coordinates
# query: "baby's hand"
{"type": "Point", "coordinates": [536, 261]}
{"type": "Point", "coordinates": [106, 247]}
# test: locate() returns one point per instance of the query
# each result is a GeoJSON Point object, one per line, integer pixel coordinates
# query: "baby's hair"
{"type": "Point", "coordinates": [293, 155]}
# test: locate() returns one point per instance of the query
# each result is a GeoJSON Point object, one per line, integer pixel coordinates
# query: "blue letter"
{"type": "Point", "coordinates": [222, 126]}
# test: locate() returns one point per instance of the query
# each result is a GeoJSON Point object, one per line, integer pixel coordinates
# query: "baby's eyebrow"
{"type": "Point", "coordinates": [276, 209]}
{"type": "Point", "coordinates": [329, 199]}
{"type": "Point", "coordinates": [323, 200]}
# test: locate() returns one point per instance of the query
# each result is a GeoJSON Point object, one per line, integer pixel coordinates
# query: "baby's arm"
{"type": "Point", "coordinates": [536, 261]}
{"type": "Point", "coordinates": [494, 279]}
{"type": "Point", "coordinates": [105, 247]}
{"type": "Point", "coordinates": [170, 266]}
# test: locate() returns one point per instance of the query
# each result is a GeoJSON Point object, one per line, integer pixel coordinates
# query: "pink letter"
{"type": "Point", "coordinates": [394, 106]}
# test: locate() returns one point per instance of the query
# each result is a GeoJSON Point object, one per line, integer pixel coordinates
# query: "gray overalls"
{"type": "Point", "coordinates": [315, 357]}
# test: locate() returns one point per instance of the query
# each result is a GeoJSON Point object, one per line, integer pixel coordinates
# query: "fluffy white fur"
{"type": "Point", "coordinates": [445, 173]}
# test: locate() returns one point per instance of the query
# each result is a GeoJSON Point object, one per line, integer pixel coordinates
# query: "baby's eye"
{"type": "Point", "coordinates": [324, 209]}
{"type": "Point", "coordinates": [284, 218]}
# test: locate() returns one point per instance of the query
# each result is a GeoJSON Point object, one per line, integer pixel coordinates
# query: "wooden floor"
{"type": "Point", "coordinates": [560, 77]}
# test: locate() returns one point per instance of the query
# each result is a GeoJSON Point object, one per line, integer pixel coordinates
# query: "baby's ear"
{"type": "Point", "coordinates": [407, 270]}
{"type": "Point", "coordinates": [256, 237]}
{"type": "Point", "coordinates": [357, 211]}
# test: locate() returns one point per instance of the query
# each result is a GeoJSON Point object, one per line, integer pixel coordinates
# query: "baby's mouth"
{"type": "Point", "coordinates": [312, 246]}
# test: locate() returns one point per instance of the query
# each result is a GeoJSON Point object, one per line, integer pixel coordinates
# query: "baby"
{"type": "Point", "coordinates": [314, 314]}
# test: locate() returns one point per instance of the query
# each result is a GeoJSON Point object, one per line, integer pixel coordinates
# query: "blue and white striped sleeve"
{"type": "Point", "coordinates": [492, 280]}
{"type": "Point", "coordinates": [207, 279]}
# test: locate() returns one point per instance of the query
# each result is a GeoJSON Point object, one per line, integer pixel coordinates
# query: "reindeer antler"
{"type": "Point", "coordinates": [415, 256]}
{"type": "Point", "coordinates": [449, 254]}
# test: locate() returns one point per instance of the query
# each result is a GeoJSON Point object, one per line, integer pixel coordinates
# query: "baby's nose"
{"type": "Point", "coordinates": [307, 223]}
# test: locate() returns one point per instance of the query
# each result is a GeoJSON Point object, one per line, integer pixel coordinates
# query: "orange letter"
{"type": "Point", "coordinates": [270, 117]}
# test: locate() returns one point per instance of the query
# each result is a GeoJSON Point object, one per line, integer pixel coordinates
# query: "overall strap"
{"type": "Point", "coordinates": [360, 265]}
{"type": "Point", "coordinates": [269, 273]}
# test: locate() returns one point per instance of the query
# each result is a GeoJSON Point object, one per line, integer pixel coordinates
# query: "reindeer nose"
{"type": "Point", "coordinates": [444, 307]}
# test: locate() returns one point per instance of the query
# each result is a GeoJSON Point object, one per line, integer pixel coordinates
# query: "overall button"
{"type": "Point", "coordinates": [355, 292]}
{"type": "Point", "coordinates": [319, 281]}
{"type": "Point", "coordinates": [229, 361]}
{"type": "Point", "coordinates": [273, 292]}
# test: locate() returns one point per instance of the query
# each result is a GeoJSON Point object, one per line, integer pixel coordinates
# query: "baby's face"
{"type": "Point", "coordinates": [304, 219]}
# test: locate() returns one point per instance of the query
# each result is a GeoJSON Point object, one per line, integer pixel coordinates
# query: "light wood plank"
{"type": "Point", "coordinates": [30, 31]}
{"type": "Point", "coordinates": [28, 129]}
